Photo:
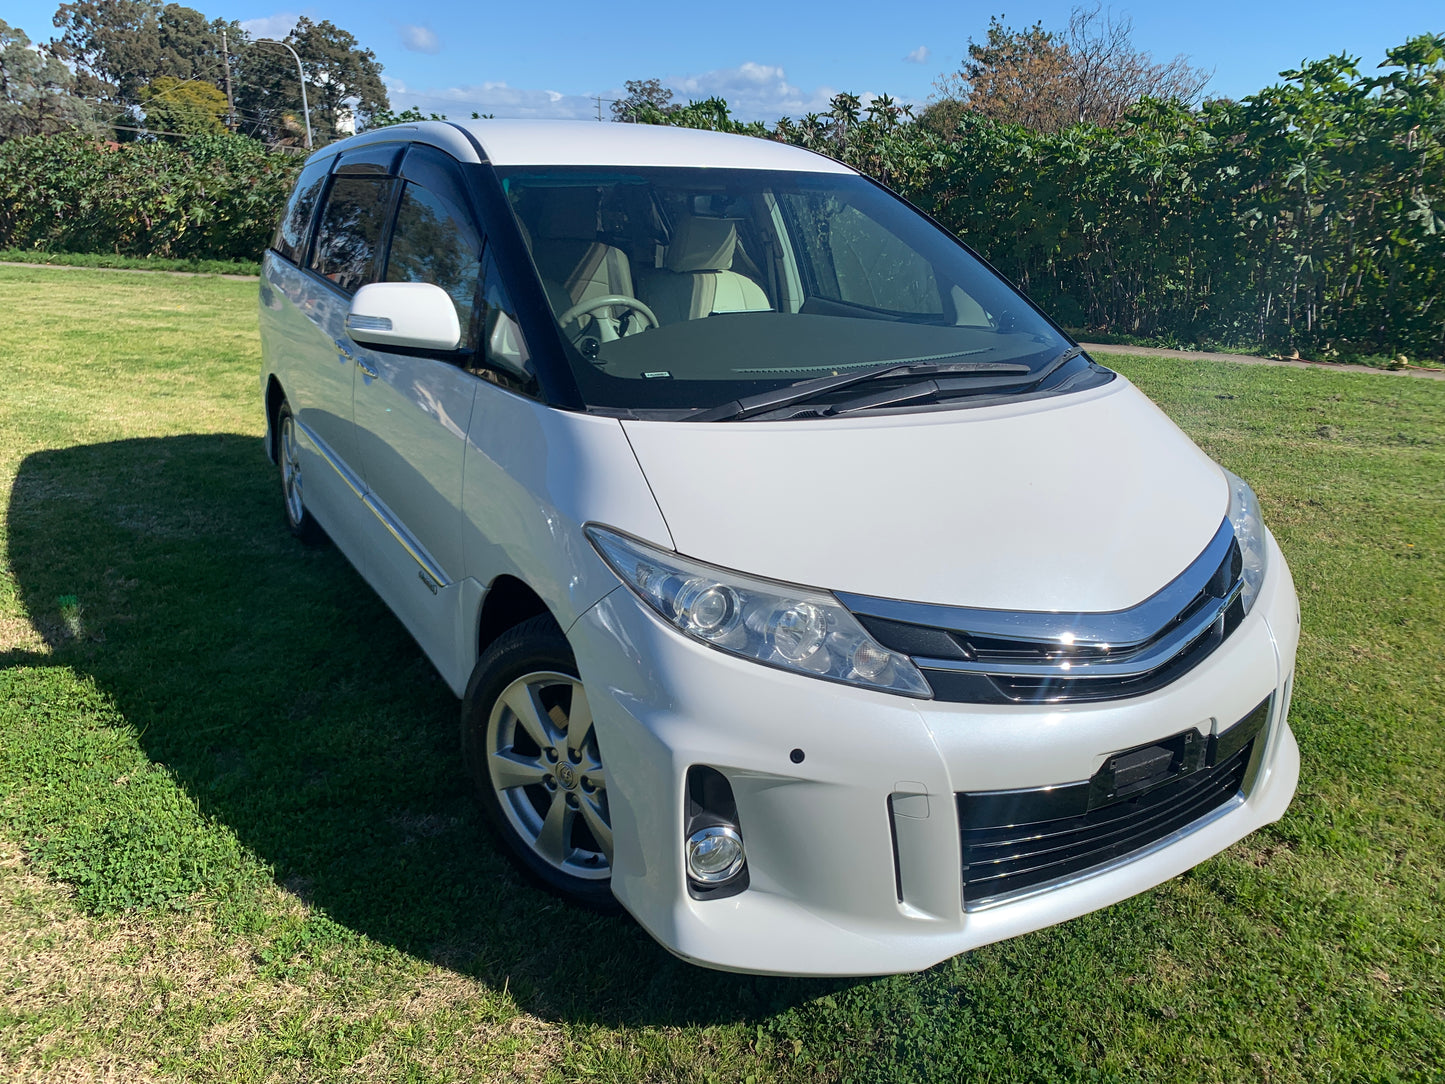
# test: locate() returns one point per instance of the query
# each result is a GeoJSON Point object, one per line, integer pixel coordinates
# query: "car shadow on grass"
{"type": "Point", "coordinates": [281, 694]}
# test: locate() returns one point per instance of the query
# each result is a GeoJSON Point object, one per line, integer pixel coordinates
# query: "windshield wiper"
{"type": "Point", "coordinates": [927, 390]}
{"type": "Point", "coordinates": [821, 385]}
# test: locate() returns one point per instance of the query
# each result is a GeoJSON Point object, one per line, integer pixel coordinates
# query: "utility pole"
{"type": "Point", "coordinates": [599, 107]}
{"type": "Point", "coordinates": [301, 75]}
{"type": "Point", "coordinates": [230, 101]}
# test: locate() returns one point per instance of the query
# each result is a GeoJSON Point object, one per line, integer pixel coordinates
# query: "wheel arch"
{"type": "Point", "coordinates": [508, 602]}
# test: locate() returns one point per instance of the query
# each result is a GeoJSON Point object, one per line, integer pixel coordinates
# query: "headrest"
{"type": "Point", "coordinates": [568, 214]}
{"type": "Point", "coordinates": [702, 244]}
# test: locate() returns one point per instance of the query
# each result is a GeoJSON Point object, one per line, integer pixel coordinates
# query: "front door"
{"type": "Point", "coordinates": [411, 413]}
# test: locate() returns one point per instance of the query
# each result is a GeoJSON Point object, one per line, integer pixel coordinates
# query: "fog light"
{"type": "Point", "coordinates": [714, 854]}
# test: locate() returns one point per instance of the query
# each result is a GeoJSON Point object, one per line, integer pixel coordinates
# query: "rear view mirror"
{"type": "Point", "coordinates": [409, 315]}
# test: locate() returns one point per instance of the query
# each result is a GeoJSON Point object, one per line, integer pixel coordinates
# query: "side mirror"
{"type": "Point", "coordinates": [409, 315]}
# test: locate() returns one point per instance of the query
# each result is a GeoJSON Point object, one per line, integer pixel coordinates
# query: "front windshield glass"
{"type": "Point", "coordinates": [689, 288]}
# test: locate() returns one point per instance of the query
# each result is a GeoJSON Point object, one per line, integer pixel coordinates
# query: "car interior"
{"type": "Point", "coordinates": [589, 243]}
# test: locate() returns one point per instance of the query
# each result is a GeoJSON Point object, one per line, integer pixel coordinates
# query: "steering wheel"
{"type": "Point", "coordinates": [607, 301]}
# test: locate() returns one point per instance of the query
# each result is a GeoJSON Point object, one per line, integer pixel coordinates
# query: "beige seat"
{"type": "Point", "coordinates": [697, 278]}
{"type": "Point", "coordinates": [574, 265]}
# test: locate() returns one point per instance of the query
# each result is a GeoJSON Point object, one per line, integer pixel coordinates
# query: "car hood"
{"type": "Point", "coordinates": [1082, 503]}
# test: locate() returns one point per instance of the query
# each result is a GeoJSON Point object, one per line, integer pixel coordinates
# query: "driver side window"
{"type": "Point", "coordinates": [434, 241]}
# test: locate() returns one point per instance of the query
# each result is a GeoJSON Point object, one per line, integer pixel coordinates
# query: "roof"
{"type": "Point", "coordinates": [588, 143]}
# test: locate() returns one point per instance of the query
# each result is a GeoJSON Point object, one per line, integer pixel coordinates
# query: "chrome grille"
{"type": "Point", "coordinates": [999, 657]}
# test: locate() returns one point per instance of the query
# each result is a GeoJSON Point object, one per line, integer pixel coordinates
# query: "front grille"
{"type": "Point", "coordinates": [996, 657]}
{"type": "Point", "coordinates": [1017, 840]}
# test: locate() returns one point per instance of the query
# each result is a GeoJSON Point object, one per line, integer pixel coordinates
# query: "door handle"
{"type": "Point", "coordinates": [365, 368]}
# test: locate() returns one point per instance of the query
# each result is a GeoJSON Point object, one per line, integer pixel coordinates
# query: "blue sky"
{"type": "Point", "coordinates": [548, 59]}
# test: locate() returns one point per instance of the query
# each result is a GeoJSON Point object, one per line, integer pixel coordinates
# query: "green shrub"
{"type": "Point", "coordinates": [210, 197]}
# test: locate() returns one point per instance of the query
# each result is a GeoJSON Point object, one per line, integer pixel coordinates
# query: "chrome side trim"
{"type": "Point", "coordinates": [414, 549]}
{"type": "Point", "coordinates": [1118, 629]}
{"type": "Point", "coordinates": [324, 450]}
{"type": "Point", "coordinates": [404, 538]}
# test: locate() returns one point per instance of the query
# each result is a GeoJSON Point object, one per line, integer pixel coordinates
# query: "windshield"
{"type": "Point", "coordinates": [689, 288]}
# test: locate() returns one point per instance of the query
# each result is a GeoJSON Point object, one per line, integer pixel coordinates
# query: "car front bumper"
{"type": "Point", "coordinates": [840, 882]}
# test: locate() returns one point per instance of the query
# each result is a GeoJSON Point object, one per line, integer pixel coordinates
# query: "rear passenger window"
{"type": "Point", "coordinates": [290, 239]}
{"type": "Point", "coordinates": [434, 242]}
{"type": "Point", "coordinates": [353, 223]}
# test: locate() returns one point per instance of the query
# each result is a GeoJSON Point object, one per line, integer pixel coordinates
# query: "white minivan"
{"type": "Point", "coordinates": [808, 592]}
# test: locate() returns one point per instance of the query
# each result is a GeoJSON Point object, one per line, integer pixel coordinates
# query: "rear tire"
{"type": "Point", "coordinates": [288, 457]}
{"type": "Point", "coordinates": [531, 755]}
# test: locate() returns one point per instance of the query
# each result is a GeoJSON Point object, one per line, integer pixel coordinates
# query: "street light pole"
{"type": "Point", "coordinates": [305, 109]}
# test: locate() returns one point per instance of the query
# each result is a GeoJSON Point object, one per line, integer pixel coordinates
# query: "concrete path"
{"type": "Point", "coordinates": [1247, 359]}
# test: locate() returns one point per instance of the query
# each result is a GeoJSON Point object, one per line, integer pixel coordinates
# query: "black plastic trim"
{"type": "Point", "coordinates": [1017, 840]}
{"type": "Point", "coordinates": [893, 838]}
{"type": "Point", "coordinates": [709, 802]}
{"type": "Point", "coordinates": [555, 379]}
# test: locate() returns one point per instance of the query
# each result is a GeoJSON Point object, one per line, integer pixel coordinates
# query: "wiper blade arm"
{"type": "Point", "coordinates": [935, 389]}
{"type": "Point", "coordinates": [821, 385]}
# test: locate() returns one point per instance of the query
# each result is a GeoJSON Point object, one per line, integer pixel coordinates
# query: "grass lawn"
{"type": "Point", "coordinates": [235, 842]}
{"type": "Point", "coordinates": [139, 263]}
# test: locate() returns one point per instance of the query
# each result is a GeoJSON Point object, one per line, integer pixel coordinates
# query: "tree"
{"type": "Point", "coordinates": [1090, 73]}
{"type": "Point", "coordinates": [1109, 75]}
{"type": "Point", "coordinates": [35, 91]}
{"type": "Point", "coordinates": [1018, 76]}
{"type": "Point", "coordinates": [644, 96]}
{"type": "Point", "coordinates": [183, 106]}
{"type": "Point", "coordinates": [120, 46]}
{"type": "Point", "coordinates": [343, 85]}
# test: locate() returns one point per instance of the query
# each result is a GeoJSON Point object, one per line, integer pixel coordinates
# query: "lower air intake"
{"type": "Point", "coordinates": [1014, 841]}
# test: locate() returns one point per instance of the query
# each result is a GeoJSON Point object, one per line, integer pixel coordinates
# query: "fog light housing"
{"type": "Point", "coordinates": [712, 837]}
{"type": "Point", "coordinates": [714, 854]}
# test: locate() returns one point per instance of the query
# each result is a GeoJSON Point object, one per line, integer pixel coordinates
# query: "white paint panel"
{"type": "Point", "coordinates": [587, 143]}
{"type": "Point", "coordinates": [1085, 503]}
{"type": "Point", "coordinates": [533, 477]}
{"type": "Point", "coordinates": [557, 143]}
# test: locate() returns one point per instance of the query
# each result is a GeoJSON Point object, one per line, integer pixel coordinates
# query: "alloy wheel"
{"type": "Point", "coordinates": [544, 765]}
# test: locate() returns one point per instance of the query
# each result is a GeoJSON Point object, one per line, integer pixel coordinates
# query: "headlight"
{"type": "Point", "coordinates": [793, 628]}
{"type": "Point", "coordinates": [1249, 532]}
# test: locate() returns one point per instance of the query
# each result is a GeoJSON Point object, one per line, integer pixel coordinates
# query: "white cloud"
{"type": "Point", "coordinates": [271, 26]}
{"type": "Point", "coordinates": [754, 91]}
{"type": "Point", "coordinates": [504, 101]}
{"type": "Point", "coordinates": [420, 39]}
{"type": "Point", "coordinates": [918, 56]}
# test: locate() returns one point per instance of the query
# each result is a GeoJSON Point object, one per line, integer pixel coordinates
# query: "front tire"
{"type": "Point", "coordinates": [288, 457]}
{"type": "Point", "coordinates": [531, 754]}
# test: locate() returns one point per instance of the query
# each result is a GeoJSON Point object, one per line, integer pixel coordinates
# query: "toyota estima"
{"type": "Point", "coordinates": [807, 591]}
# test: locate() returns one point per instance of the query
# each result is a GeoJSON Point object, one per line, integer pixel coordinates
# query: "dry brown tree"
{"type": "Point", "coordinates": [1090, 73]}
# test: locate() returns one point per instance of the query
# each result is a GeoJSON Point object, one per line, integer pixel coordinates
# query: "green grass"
{"type": "Point", "coordinates": [136, 263]}
{"type": "Point", "coordinates": [235, 842]}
